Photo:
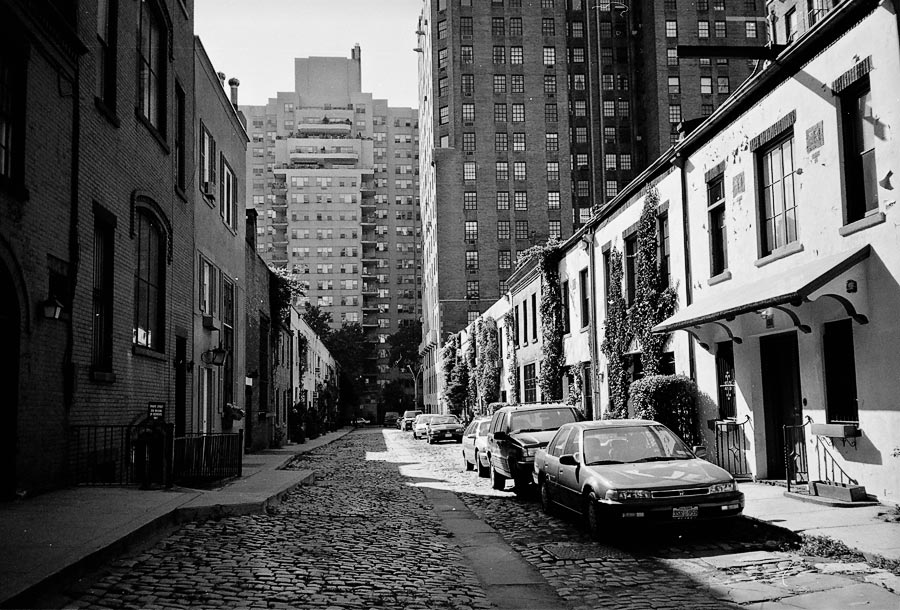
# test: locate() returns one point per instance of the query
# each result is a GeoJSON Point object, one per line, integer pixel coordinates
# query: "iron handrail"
{"type": "Point", "coordinates": [795, 462]}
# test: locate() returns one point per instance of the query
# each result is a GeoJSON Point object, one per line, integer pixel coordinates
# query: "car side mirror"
{"type": "Point", "coordinates": [568, 459]}
{"type": "Point", "coordinates": [699, 451]}
{"type": "Point", "coordinates": [501, 435]}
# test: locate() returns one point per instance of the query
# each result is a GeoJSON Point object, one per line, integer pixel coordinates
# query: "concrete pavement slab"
{"type": "Point", "coordinates": [854, 596]}
{"type": "Point", "coordinates": [809, 583]}
{"type": "Point", "coordinates": [746, 592]}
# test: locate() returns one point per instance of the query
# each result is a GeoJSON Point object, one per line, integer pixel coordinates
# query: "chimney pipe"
{"type": "Point", "coordinates": [221, 76]}
{"type": "Point", "coordinates": [234, 84]}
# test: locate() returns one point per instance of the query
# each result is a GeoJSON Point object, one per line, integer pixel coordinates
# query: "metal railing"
{"type": "Point", "coordinates": [828, 467]}
{"type": "Point", "coordinates": [731, 447]}
{"type": "Point", "coordinates": [796, 468]}
{"type": "Point", "coordinates": [107, 455]}
{"type": "Point", "coordinates": [208, 457]}
{"type": "Point", "coordinates": [150, 454]}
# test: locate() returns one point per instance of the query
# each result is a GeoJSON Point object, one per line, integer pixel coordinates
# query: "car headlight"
{"type": "Point", "coordinates": [720, 488]}
{"type": "Point", "coordinates": [628, 494]}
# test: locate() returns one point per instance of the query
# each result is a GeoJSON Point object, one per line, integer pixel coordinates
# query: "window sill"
{"type": "Point", "coordinates": [718, 279]}
{"type": "Point", "coordinates": [779, 253]}
{"type": "Point", "coordinates": [159, 137]}
{"type": "Point", "coordinates": [103, 376]}
{"type": "Point", "coordinates": [181, 194]}
{"type": "Point", "coordinates": [210, 200]}
{"type": "Point", "coordinates": [108, 113]}
{"type": "Point", "coordinates": [140, 350]}
{"type": "Point", "coordinates": [863, 223]}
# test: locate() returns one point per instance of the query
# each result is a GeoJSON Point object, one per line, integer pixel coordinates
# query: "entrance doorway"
{"type": "Point", "coordinates": [781, 400]}
{"type": "Point", "coordinates": [10, 327]}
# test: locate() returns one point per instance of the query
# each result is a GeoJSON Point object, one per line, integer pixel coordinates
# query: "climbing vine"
{"type": "Point", "coordinates": [576, 389]}
{"type": "Point", "coordinates": [488, 361]}
{"type": "Point", "coordinates": [472, 372]}
{"type": "Point", "coordinates": [512, 366]}
{"type": "Point", "coordinates": [551, 324]}
{"type": "Point", "coordinates": [653, 302]}
{"type": "Point", "coordinates": [456, 376]}
{"type": "Point", "coordinates": [616, 337]}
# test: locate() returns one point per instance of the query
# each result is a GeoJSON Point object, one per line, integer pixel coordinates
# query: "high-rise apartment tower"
{"type": "Point", "coordinates": [333, 174]}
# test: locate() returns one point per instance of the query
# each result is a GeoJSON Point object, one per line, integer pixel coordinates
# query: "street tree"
{"type": "Point", "coordinates": [318, 320]}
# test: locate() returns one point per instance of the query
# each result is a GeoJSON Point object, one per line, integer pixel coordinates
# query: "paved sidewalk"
{"type": "Point", "coordinates": [57, 535]}
{"type": "Point", "coordinates": [857, 527]}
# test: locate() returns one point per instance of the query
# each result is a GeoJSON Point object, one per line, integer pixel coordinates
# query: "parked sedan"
{"type": "Point", "coordinates": [442, 428]}
{"type": "Point", "coordinates": [391, 419]}
{"type": "Point", "coordinates": [613, 471]}
{"type": "Point", "coordinates": [474, 446]}
{"type": "Point", "coordinates": [420, 425]}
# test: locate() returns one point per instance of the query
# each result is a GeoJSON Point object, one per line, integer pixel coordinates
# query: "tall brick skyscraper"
{"type": "Point", "coordinates": [333, 175]}
{"type": "Point", "coordinates": [536, 112]}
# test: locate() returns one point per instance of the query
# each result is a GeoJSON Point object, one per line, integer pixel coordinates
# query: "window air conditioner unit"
{"type": "Point", "coordinates": [209, 190]}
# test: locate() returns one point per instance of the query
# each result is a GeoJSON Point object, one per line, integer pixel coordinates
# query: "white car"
{"type": "Point", "coordinates": [420, 425]}
{"type": "Point", "coordinates": [474, 447]}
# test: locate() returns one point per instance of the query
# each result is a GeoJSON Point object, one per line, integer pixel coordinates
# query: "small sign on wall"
{"type": "Point", "coordinates": [156, 411]}
{"type": "Point", "coordinates": [815, 137]}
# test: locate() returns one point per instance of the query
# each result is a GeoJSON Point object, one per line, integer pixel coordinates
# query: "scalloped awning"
{"type": "Point", "coordinates": [800, 284]}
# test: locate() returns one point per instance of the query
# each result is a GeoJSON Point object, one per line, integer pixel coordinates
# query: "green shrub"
{"type": "Point", "coordinates": [671, 400]}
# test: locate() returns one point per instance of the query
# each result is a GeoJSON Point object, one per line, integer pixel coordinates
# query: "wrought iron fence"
{"type": "Point", "coordinates": [731, 447]}
{"type": "Point", "coordinates": [796, 468]}
{"type": "Point", "coordinates": [208, 457]}
{"type": "Point", "coordinates": [119, 455]}
{"type": "Point", "coordinates": [828, 468]}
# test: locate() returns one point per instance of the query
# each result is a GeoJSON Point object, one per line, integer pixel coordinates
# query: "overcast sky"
{"type": "Point", "coordinates": [257, 41]}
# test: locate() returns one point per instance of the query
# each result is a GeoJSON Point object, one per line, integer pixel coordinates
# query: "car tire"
{"type": "Point", "coordinates": [469, 466]}
{"type": "Point", "coordinates": [591, 513]}
{"type": "Point", "coordinates": [546, 499]}
{"type": "Point", "coordinates": [498, 481]}
{"type": "Point", "coordinates": [459, 441]}
{"type": "Point", "coordinates": [483, 471]}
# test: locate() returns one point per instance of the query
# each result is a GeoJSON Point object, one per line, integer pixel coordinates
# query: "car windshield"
{"type": "Point", "coordinates": [630, 444]}
{"type": "Point", "coordinates": [540, 419]}
{"type": "Point", "coordinates": [409, 414]}
{"type": "Point", "coordinates": [444, 419]}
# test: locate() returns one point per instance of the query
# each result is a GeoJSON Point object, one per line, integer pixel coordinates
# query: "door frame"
{"type": "Point", "coordinates": [776, 350]}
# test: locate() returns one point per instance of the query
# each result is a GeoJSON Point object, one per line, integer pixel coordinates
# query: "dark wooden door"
{"type": "Point", "coordinates": [180, 386]}
{"type": "Point", "coordinates": [781, 396]}
{"type": "Point", "coordinates": [10, 327]}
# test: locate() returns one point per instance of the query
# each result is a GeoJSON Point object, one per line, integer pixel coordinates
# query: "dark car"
{"type": "Point", "coordinates": [391, 418]}
{"type": "Point", "coordinates": [444, 428]}
{"type": "Point", "coordinates": [612, 471]}
{"type": "Point", "coordinates": [516, 434]}
{"type": "Point", "coordinates": [407, 420]}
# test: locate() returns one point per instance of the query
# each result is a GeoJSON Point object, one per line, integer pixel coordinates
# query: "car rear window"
{"type": "Point", "coordinates": [540, 419]}
{"type": "Point", "coordinates": [446, 419]}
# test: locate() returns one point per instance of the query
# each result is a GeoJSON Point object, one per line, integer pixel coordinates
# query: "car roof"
{"type": "Point", "coordinates": [536, 407]}
{"type": "Point", "coordinates": [612, 423]}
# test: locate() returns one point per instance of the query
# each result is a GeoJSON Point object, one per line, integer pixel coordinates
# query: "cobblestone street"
{"type": "Point", "coordinates": [367, 536]}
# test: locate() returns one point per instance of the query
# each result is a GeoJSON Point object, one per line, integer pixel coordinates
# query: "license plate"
{"type": "Point", "coordinates": [685, 512]}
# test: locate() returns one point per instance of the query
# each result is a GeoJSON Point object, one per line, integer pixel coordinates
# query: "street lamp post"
{"type": "Point", "coordinates": [415, 372]}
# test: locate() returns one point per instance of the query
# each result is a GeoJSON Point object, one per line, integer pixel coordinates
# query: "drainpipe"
{"type": "Point", "coordinates": [680, 161]}
{"type": "Point", "coordinates": [592, 328]}
{"type": "Point", "coordinates": [74, 247]}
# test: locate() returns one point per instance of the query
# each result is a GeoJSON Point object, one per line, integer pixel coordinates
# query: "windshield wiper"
{"type": "Point", "coordinates": [527, 430]}
{"type": "Point", "coordinates": [602, 462]}
{"type": "Point", "coordinates": [660, 458]}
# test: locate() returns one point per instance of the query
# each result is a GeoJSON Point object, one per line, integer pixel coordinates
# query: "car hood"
{"type": "Point", "coordinates": [646, 475]}
{"type": "Point", "coordinates": [541, 437]}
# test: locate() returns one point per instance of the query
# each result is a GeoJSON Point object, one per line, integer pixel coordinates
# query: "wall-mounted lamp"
{"type": "Point", "coordinates": [585, 242]}
{"type": "Point", "coordinates": [851, 286]}
{"type": "Point", "coordinates": [51, 308]}
{"type": "Point", "coordinates": [214, 356]}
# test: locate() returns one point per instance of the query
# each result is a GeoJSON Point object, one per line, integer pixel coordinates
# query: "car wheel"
{"type": "Point", "coordinates": [546, 500]}
{"type": "Point", "coordinates": [483, 471]}
{"type": "Point", "coordinates": [592, 514]}
{"type": "Point", "coordinates": [498, 481]}
{"type": "Point", "coordinates": [469, 466]}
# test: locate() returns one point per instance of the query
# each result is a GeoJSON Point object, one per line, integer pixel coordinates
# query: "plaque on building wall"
{"type": "Point", "coordinates": [737, 184]}
{"type": "Point", "coordinates": [815, 137]}
{"type": "Point", "coordinates": [156, 410]}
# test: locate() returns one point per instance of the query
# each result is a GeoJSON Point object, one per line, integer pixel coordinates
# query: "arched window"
{"type": "Point", "coordinates": [149, 281]}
